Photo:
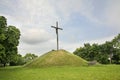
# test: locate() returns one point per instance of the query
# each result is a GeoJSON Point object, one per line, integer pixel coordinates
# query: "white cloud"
{"type": "Point", "coordinates": [100, 41]}
{"type": "Point", "coordinates": [67, 8]}
{"type": "Point", "coordinates": [39, 12]}
{"type": "Point", "coordinates": [38, 49]}
{"type": "Point", "coordinates": [113, 13]}
{"type": "Point", "coordinates": [87, 10]}
{"type": "Point", "coordinates": [35, 36]}
{"type": "Point", "coordinates": [72, 46]}
{"type": "Point", "coordinates": [35, 17]}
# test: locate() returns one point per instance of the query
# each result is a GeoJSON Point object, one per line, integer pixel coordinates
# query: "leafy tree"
{"type": "Point", "coordinates": [9, 40]}
{"type": "Point", "coordinates": [106, 53]}
{"type": "Point", "coordinates": [17, 60]}
{"type": "Point", "coordinates": [88, 52]}
{"type": "Point", "coordinates": [116, 41]}
{"type": "Point", "coordinates": [3, 26]}
{"type": "Point", "coordinates": [116, 46]}
{"type": "Point", "coordinates": [94, 50]}
{"type": "Point", "coordinates": [29, 57]}
{"type": "Point", "coordinates": [13, 35]}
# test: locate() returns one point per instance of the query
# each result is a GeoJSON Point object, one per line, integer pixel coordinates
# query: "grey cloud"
{"type": "Point", "coordinates": [35, 36]}
{"type": "Point", "coordinates": [38, 49]}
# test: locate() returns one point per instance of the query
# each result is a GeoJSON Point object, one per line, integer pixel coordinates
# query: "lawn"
{"type": "Point", "coordinates": [101, 72]}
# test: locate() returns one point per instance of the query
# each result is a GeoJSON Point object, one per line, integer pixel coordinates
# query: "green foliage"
{"type": "Point", "coordinates": [3, 23]}
{"type": "Point", "coordinates": [102, 72]}
{"type": "Point", "coordinates": [9, 40]}
{"type": "Point", "coordinates": [57, 58]}
{"type": "Point", "coordinates": [13, 35]}
{"type": "Point", "coordinates": [102, 52]}
{"type": "Point", "coordinates": [116, 41]}
{"type": "Point", "coordinates": [17, 60]}
{"type": "Point", "coordinates": [2, 37]}
{"type": "Point", "coordinates": [87, 52]}
{"type": "Point", "coordinates": [29, 57]}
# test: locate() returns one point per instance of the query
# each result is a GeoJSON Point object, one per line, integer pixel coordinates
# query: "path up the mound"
{"type": "Point", "coordinates": [57, 58]}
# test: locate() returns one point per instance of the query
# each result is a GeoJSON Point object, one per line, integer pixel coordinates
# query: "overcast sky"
{"type": "Point", "coordinates": [83, 21]}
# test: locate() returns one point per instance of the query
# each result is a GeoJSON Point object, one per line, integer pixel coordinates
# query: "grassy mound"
{"type": "Point", "coordinates": [57, 58]}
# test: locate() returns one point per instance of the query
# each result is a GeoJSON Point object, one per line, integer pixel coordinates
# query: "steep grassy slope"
{"type": "Point", "coordinates": [57, 58]}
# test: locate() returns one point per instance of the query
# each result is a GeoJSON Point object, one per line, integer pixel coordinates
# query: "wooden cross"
{"type": "Point", "coordinates": [56, 28]}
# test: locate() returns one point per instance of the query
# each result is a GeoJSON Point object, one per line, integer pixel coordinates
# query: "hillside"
{"type": "Point", "coordinates": [57, 58]}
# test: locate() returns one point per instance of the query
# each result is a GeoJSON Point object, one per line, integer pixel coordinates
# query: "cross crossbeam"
{"type": "Point", "coordinates": [57, 28]}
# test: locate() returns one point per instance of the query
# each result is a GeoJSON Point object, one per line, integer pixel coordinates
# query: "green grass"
{"type": "Point", "coordinates": [57, 58]}
{"type": "Point", "coordinates": [101, 72]}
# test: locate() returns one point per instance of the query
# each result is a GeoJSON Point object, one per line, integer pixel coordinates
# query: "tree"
{"type": "Point", "coordinates": [88, 52]}
{"type": "Point", "coordinates": [12, 41]}
{"type": "Point", "coordinates": [116, 46]}
{"type": "Point", "coordinates": [116, 41]}
{"type": "Point", "coordinates": [106, 53]}
{"type": "Point", "coordinates": [3, 26]}
{"type": "Point", "coordinates": [9, 40]}
{"type": "Point", "coordinates": [29, 57]}
{"type": "Point", "coordinates": [17, 60]}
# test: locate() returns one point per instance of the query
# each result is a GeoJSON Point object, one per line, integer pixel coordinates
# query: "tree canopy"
{"type": "Point", "coordinates": [106, 53]}
{"type": "Point", "coordinates": [9, 40]}
{"type": "Point", "coordinates": [29, 57]}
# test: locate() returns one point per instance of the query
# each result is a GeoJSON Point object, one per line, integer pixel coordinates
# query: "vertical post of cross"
{"type": "Point", "coordinates": [57, 35]}
{"type": "Point", "coordinates": [56, 28]}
